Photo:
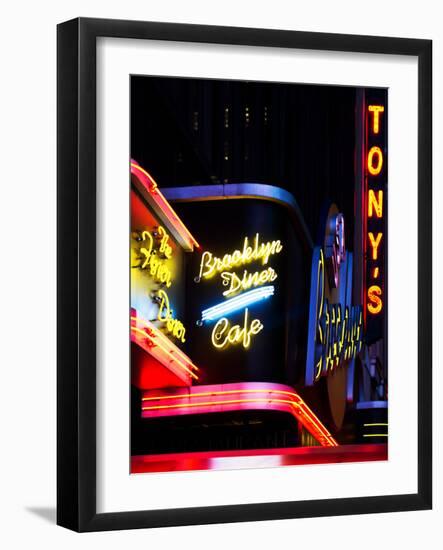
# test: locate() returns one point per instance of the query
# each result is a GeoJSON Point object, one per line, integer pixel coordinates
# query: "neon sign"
{"type": "Point", "coordinates": [375, 302]}
{"type": "Point", "coordinates": [155, 254]}
{"type": "Point", "coordinates": [210, 264]}
{"type": "Point", "coordinates": [375, 202]}
{"type": "Point", "coordinates": [165, 315]}
{"type": "Point", "coordinates": [148, 187]}
{"type": "Point", "coordinates": [224, 334]}
{"type": "Point", "coordinates": [247, 280]}
{"type": "Point", "coordinates": [152, 258]}
{"type": "Point", "coordinates": [376, 110]}
{"type": "Point", "coordinates": [244, 289]}
{"type": "Point", "coordinates": [257, 395]}
{"type": "Point", "coordinates": [335, 330]}
{"type": "Point", "coordinates": [375, 161]}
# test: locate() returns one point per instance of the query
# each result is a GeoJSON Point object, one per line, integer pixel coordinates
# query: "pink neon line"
{"type": "Point", "coordinates": [235, 399]}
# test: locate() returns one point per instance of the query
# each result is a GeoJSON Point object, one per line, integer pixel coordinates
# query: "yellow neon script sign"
{"type": "Point", "coordinates": [248, 280]}
{"type": "Point", "coordinates": [210, 264]}
{"type": "Point", "coordinates": [174, 326]}
{"type": "Point", "coordinates": [224, 334]}
{"type": "Point", "coordinates": [153, 261]}
{"type": "Point", "coordinates": [156, 252]}
{"type": "Point", "coordinates": [338, 336]}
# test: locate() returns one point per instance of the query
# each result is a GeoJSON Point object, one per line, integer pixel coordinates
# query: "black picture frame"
{"type": "Point", "coordinates": [76, 295]}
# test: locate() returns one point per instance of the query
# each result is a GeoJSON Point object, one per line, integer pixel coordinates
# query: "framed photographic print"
{"type": "Point", "coordinates": [244, 274]}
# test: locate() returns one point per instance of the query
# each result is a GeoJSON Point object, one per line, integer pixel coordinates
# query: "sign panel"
{"type": "Point", "coordinates": [248, 283]}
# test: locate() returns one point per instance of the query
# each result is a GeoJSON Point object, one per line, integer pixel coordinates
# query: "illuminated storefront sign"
{"type": "Point", "coordinates": [165, 315]}
{"type": "Point", "coordinates": [153, 255]}
{"type": "Point", "coordinates": [225, 334]}
{"type": "Point", "coordinates": [375, 183]}
{"type": "Point", "coordinates": [335, 325]}
{"type": "Point", "coordinates": [247, 280]}
{"type": "Point", "coordinates": [210, 264]}
{"type": "Point", "coordinates": [152, 259]}
{"type": "Point", "coordinates": [159, 241]}
{"type": "Point", "coordinates": [238, 296]}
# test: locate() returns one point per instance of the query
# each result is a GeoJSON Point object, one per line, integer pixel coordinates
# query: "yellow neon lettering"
{"type": "Point", "coordinates": [224, 334]}
{"type": "Point", "coordinates": [259, 251]}
{"type": "Point", "coordinates": [158, 269]}
{"type": "Point", "coordinates": [374, 243]}
{"type": "Point", "coordinates": [376, 110]}
{"type": "Point", "coordinates": [375, 203]}
{"type": "Point", "coordinates": [319, 308]}
{"type": "Point", "coordinates": [207, 268]}
{"type": "Point", "coordinates": [146, 251]}
{"type": "Point", "coordinates": [165, 248]}
{"type": "Point", "coordinates": [248, 280]}
{"type": "Point", "coordinates": [375, 169]}
{"type": "Point", "coordinates": [375, 303]}
{"type": "Point", "coordinates": [174, 326]}
{"type": "Point", "coordinates": [236, 257]}
{"type": "Point", "coordinates": [338, 335]}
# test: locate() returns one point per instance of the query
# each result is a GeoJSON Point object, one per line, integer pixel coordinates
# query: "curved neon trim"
{"type": "Point", "coordinates": [297, 406]}
{"type": "Point", "coordinates": [225, 392]}
{"type": "Point", "coordinates": [152, 187]}
{"type": "Point", "coordinates": [152, 181]}
{"type": "Point", "coordinates": [232, 191]}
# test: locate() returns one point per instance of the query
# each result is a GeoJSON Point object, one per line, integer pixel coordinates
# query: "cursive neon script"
{"type": "Point", "coordinates": [247, 280]}
{"type": "Point", "coordinates": [210, 264]}
{"type": "Point", "coordinates": [152, 261]}
{"type": "Point", "coordinates": [224, 334]}
{"type": "Point", "coordinates": [339, 329]}
{"type": "Point", "coordinates": [165, 315]}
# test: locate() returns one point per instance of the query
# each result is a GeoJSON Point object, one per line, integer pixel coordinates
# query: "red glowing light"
{"type": "Point", "coordinates": [150, 185]}
{"type": "Point", "coordinates": [234, 397]}
{"type": "Point", "coordinates": [156, 344]}
{"type": "Point", "coordinates": [257, 458]}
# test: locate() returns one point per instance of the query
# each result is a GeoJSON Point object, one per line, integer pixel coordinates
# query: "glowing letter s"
{"type": "Point", "coordinates": [375, 303]}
